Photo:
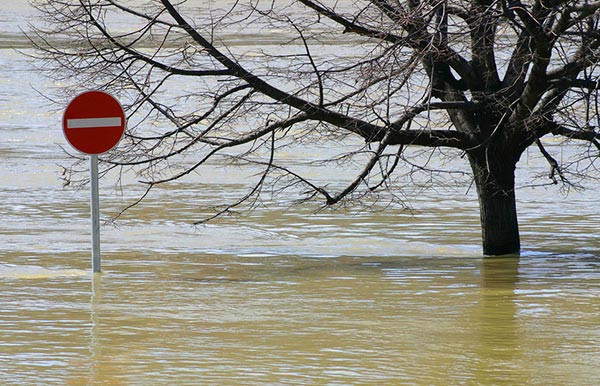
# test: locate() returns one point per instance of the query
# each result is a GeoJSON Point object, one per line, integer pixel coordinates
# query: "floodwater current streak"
{"type": "Point", "coordinates": [285, 294]}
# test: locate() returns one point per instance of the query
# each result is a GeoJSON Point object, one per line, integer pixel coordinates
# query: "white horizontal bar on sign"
{"type": "Point", "coordinates": [84, 123]}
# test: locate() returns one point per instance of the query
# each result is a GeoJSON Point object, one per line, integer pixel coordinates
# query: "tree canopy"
{"type": "Point", "coordinates": [488, 79]}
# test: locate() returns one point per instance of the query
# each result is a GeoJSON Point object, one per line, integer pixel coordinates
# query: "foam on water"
{"type": "Point", "coordinates": [36, 272]}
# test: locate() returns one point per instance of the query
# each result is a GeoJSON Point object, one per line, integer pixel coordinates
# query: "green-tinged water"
{"type": "Point", "coordinates": [285, 294]}
{"type": "Point", "coordinates": [227, 318]}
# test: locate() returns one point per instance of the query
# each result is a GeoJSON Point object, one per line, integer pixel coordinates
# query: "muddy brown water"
{"type": "Point", "coordinates": [284, 294]}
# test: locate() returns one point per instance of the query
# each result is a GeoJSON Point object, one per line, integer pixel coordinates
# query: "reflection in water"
{"type": "Point", "coordinates": [498, 350]}
{"type": "Point", "coordinates": [95, 343]}
{"type": "Point", "coordinates": [222, 318]}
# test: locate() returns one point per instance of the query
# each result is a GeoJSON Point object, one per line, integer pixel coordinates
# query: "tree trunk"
{"type": "Point", "coordinates": [495, 183]}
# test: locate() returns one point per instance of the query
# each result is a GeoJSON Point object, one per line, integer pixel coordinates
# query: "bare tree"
{"type": "Point", "coordinates": [487, 79]}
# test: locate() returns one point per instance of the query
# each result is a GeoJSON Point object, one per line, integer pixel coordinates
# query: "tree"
{"type": "Point", "coordinates": [487, 79]}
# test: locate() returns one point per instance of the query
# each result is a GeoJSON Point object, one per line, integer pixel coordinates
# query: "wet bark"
{"type": "Point", "coordinates": [495, 183]}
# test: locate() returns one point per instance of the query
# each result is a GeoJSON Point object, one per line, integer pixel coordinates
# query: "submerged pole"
{"type": "Point", "coordinates": [93, 123]}
{"type": "Point", "coordinates": [95, 212]}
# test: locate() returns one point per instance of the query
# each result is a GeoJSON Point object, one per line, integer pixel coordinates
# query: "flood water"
{"type": "Point", "coordinates": [285, 294]}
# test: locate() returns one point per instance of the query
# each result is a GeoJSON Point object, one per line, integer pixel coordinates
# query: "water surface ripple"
{"type": "Point", "coordinates": [285, 294]}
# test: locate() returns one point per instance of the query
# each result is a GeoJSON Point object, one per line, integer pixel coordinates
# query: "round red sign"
{"type": "Point", "coordinates": [94, 122]}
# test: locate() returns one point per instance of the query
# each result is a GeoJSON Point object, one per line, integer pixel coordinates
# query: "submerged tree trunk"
{"type": "Point", "coordinates": [495, 183]}
{"type": "Point", "coordinates": [499, 224]}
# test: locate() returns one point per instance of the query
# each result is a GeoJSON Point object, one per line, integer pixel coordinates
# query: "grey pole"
{"type": "Point", "coordinates": [95, 209]}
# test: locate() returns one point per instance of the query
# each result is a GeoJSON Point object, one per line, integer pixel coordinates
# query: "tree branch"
{"type": "Point", "coordinates": [584, 135]}
{"type": "Point", "coordinates": [237, 142]}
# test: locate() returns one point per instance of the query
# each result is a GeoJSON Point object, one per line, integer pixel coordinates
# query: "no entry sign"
{"type": "Point", "coordinates": [94, 122]}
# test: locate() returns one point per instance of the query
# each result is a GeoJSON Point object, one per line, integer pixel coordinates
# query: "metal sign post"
{"type": "Point", "coordinates": [93, 123]}
{"type": "Point", "coordinates": [95, 213]}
